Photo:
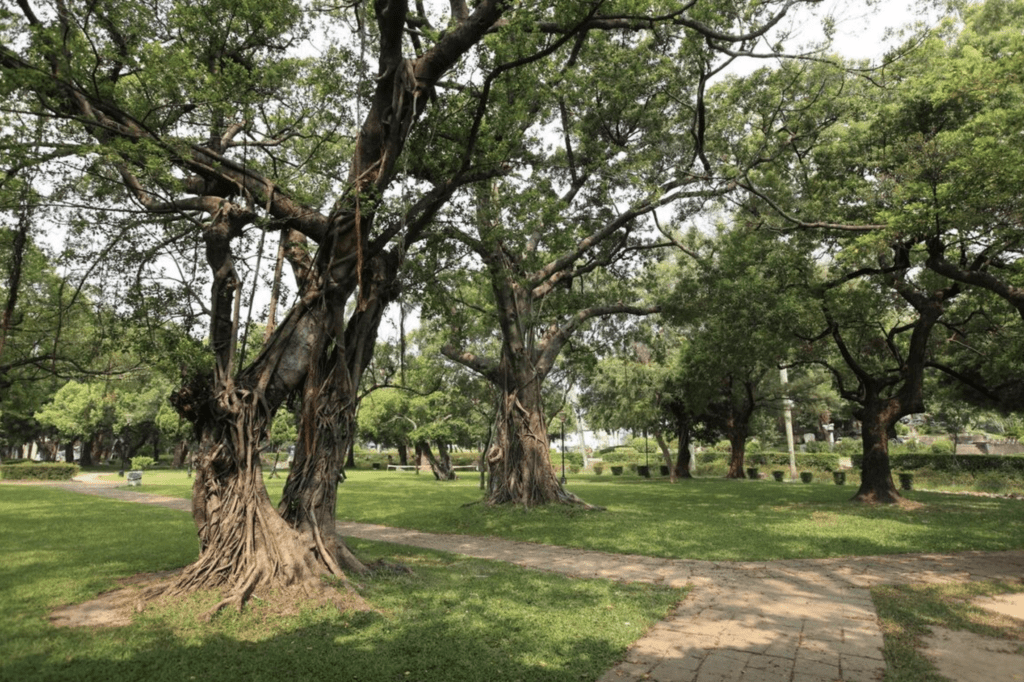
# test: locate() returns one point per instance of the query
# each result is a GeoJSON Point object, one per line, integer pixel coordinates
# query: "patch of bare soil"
{"type": "Point", "coordinates": [1011, 605]}
{"type": "Point", "coordinates": [966, 656]}
{"type": "Point", "coordinates": [111, 609]}
{"type": "Point", "coordinates": [116, 607]}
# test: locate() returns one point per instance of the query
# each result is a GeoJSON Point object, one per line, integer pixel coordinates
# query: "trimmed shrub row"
{"type": "Point", "coordinates": [967, 463]}
{"type": "Point", "coordinates": [821, 461]}
{"type": "Point", "coordinates": [27, 470]}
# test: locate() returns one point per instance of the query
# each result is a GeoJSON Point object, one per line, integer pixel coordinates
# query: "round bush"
{"type": "Point", "coordinates": [142, 462]}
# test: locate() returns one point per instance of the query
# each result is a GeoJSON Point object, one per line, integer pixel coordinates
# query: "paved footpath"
{"type": "Point", "coordinates": [807, 620]}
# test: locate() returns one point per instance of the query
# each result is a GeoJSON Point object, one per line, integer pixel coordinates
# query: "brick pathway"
{"type": "Point", "coordinates": [807, 620]}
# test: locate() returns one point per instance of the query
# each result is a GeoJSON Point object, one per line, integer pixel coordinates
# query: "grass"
{"type": "Point", "coordinates": [908, 612]}
{"type": "Point", "coordinates": [704, 518]}
{"type": "Point", "coordinates": [457, 618]}
{"type": "Point", "coordinates": [453, 618]}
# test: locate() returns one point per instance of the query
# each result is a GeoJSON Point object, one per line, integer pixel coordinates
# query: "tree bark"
{"type": "Point", "coordinates": [180, 452]}
{"type": "Point", "coordinates": [86, 460]}
{"type": "Point", "coordinates": [519, 460]}
{"type": "Point", "coordinates": [682, 466]}
{"type": "Point", "coordinates": [440, 465]}
{"type": "Point", "coordinates": [738, 425]}
{"type": "Point", "coordinates": [673, 472]}
{"type": "Point", "coordinates": [876, 485]}
{"type": "Point", "coordinates": [245, 544]}
{"type": "Point", "coordinates": [737, 447]}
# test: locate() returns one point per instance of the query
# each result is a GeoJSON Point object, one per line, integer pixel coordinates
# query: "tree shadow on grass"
{"type": "Point", "coordinates": [452, 619]}
{"type": "Point", "coordinates": [354, 646]}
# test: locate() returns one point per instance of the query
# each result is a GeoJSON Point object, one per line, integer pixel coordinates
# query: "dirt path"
{"type": "Point", "coordinates": [808, 620]}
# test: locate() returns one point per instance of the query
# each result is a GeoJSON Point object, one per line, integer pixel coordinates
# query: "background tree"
{"type": "Point", "coordinates": [739, 298]}
{"type": "Point", "coordinates": [894, 183]}
{"type": "Point", "coordinates": [584, 205]}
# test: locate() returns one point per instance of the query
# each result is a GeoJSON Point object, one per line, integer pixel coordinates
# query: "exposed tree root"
{"type": "Point", "coordinates": [875, 497]}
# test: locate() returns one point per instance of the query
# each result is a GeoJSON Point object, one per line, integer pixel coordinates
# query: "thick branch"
{"type": "Point", "coordinates": [558, 335]}
{"type": "Point", "coordinates": [485, 367]}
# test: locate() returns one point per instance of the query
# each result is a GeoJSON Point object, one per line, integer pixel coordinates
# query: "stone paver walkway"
{"type": "Point", "coordinates": [808, 620]}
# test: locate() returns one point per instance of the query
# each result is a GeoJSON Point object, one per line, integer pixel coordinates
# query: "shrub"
{"type": "Point", "coordinates": [990, 482]}
{"type": "Point", "coordinates": [572, 459]}
{"type": "Point", "coordinates": [620, 454]}
{"type": "Point", "coordinates": [1007, 464]}
{"type": "Point", "coordinates": [712, 457]}
{"type": "Point", "coordinates": [941, 447]}
{"type": "Point", "coordinates": [850, 447]}
{"type": "Point", "coordinates": [142, 462]}
{"type": "Point", "coordinates": [909, 448]}
{"type": "Point", "coordinates": [816, 446]}
{"type": "Point", "coordinates": [637, 444]}
{"type": "Point", "coordinates": [825, 461]}
{"type": "Point", "coordinates": [469, 458]}
{"type": "Point", "coordinates": [599, 469]}
{"type": "Point", "coordinates": [38, 471]}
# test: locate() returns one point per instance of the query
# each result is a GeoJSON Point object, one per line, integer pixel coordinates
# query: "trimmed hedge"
{"type": "Point", "coordinates": [621, 454]}
{"type": "Point", "coordinates": [939, 462]}
{"type": "Point", "coordinates": [819, 461]}
{"type": "Point", "coordinates": [22, 470]}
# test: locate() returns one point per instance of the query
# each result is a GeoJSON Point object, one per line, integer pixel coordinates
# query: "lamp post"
{"type": "Point", "coordinates": [563, 449]}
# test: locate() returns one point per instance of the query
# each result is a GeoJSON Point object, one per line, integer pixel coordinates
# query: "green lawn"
{"type": "Point", "coordinates": [453, 618]}
{"type": "Point", "coordinates": [706, 518]}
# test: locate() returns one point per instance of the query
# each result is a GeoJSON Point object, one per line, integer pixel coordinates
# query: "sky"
{"type": "Point", "coordinates": [861, 29]}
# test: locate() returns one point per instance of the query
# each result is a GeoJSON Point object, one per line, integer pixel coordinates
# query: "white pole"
{"type": "Point", "coordinates": [787, 413]}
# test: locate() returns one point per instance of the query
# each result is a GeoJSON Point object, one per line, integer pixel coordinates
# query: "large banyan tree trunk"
{"type": "Point", "coordinates": [310, 494]}
{"type": "Point", "coordinates": [519, 460]}
{"type": "Point", "coordinates": [245, 545]}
